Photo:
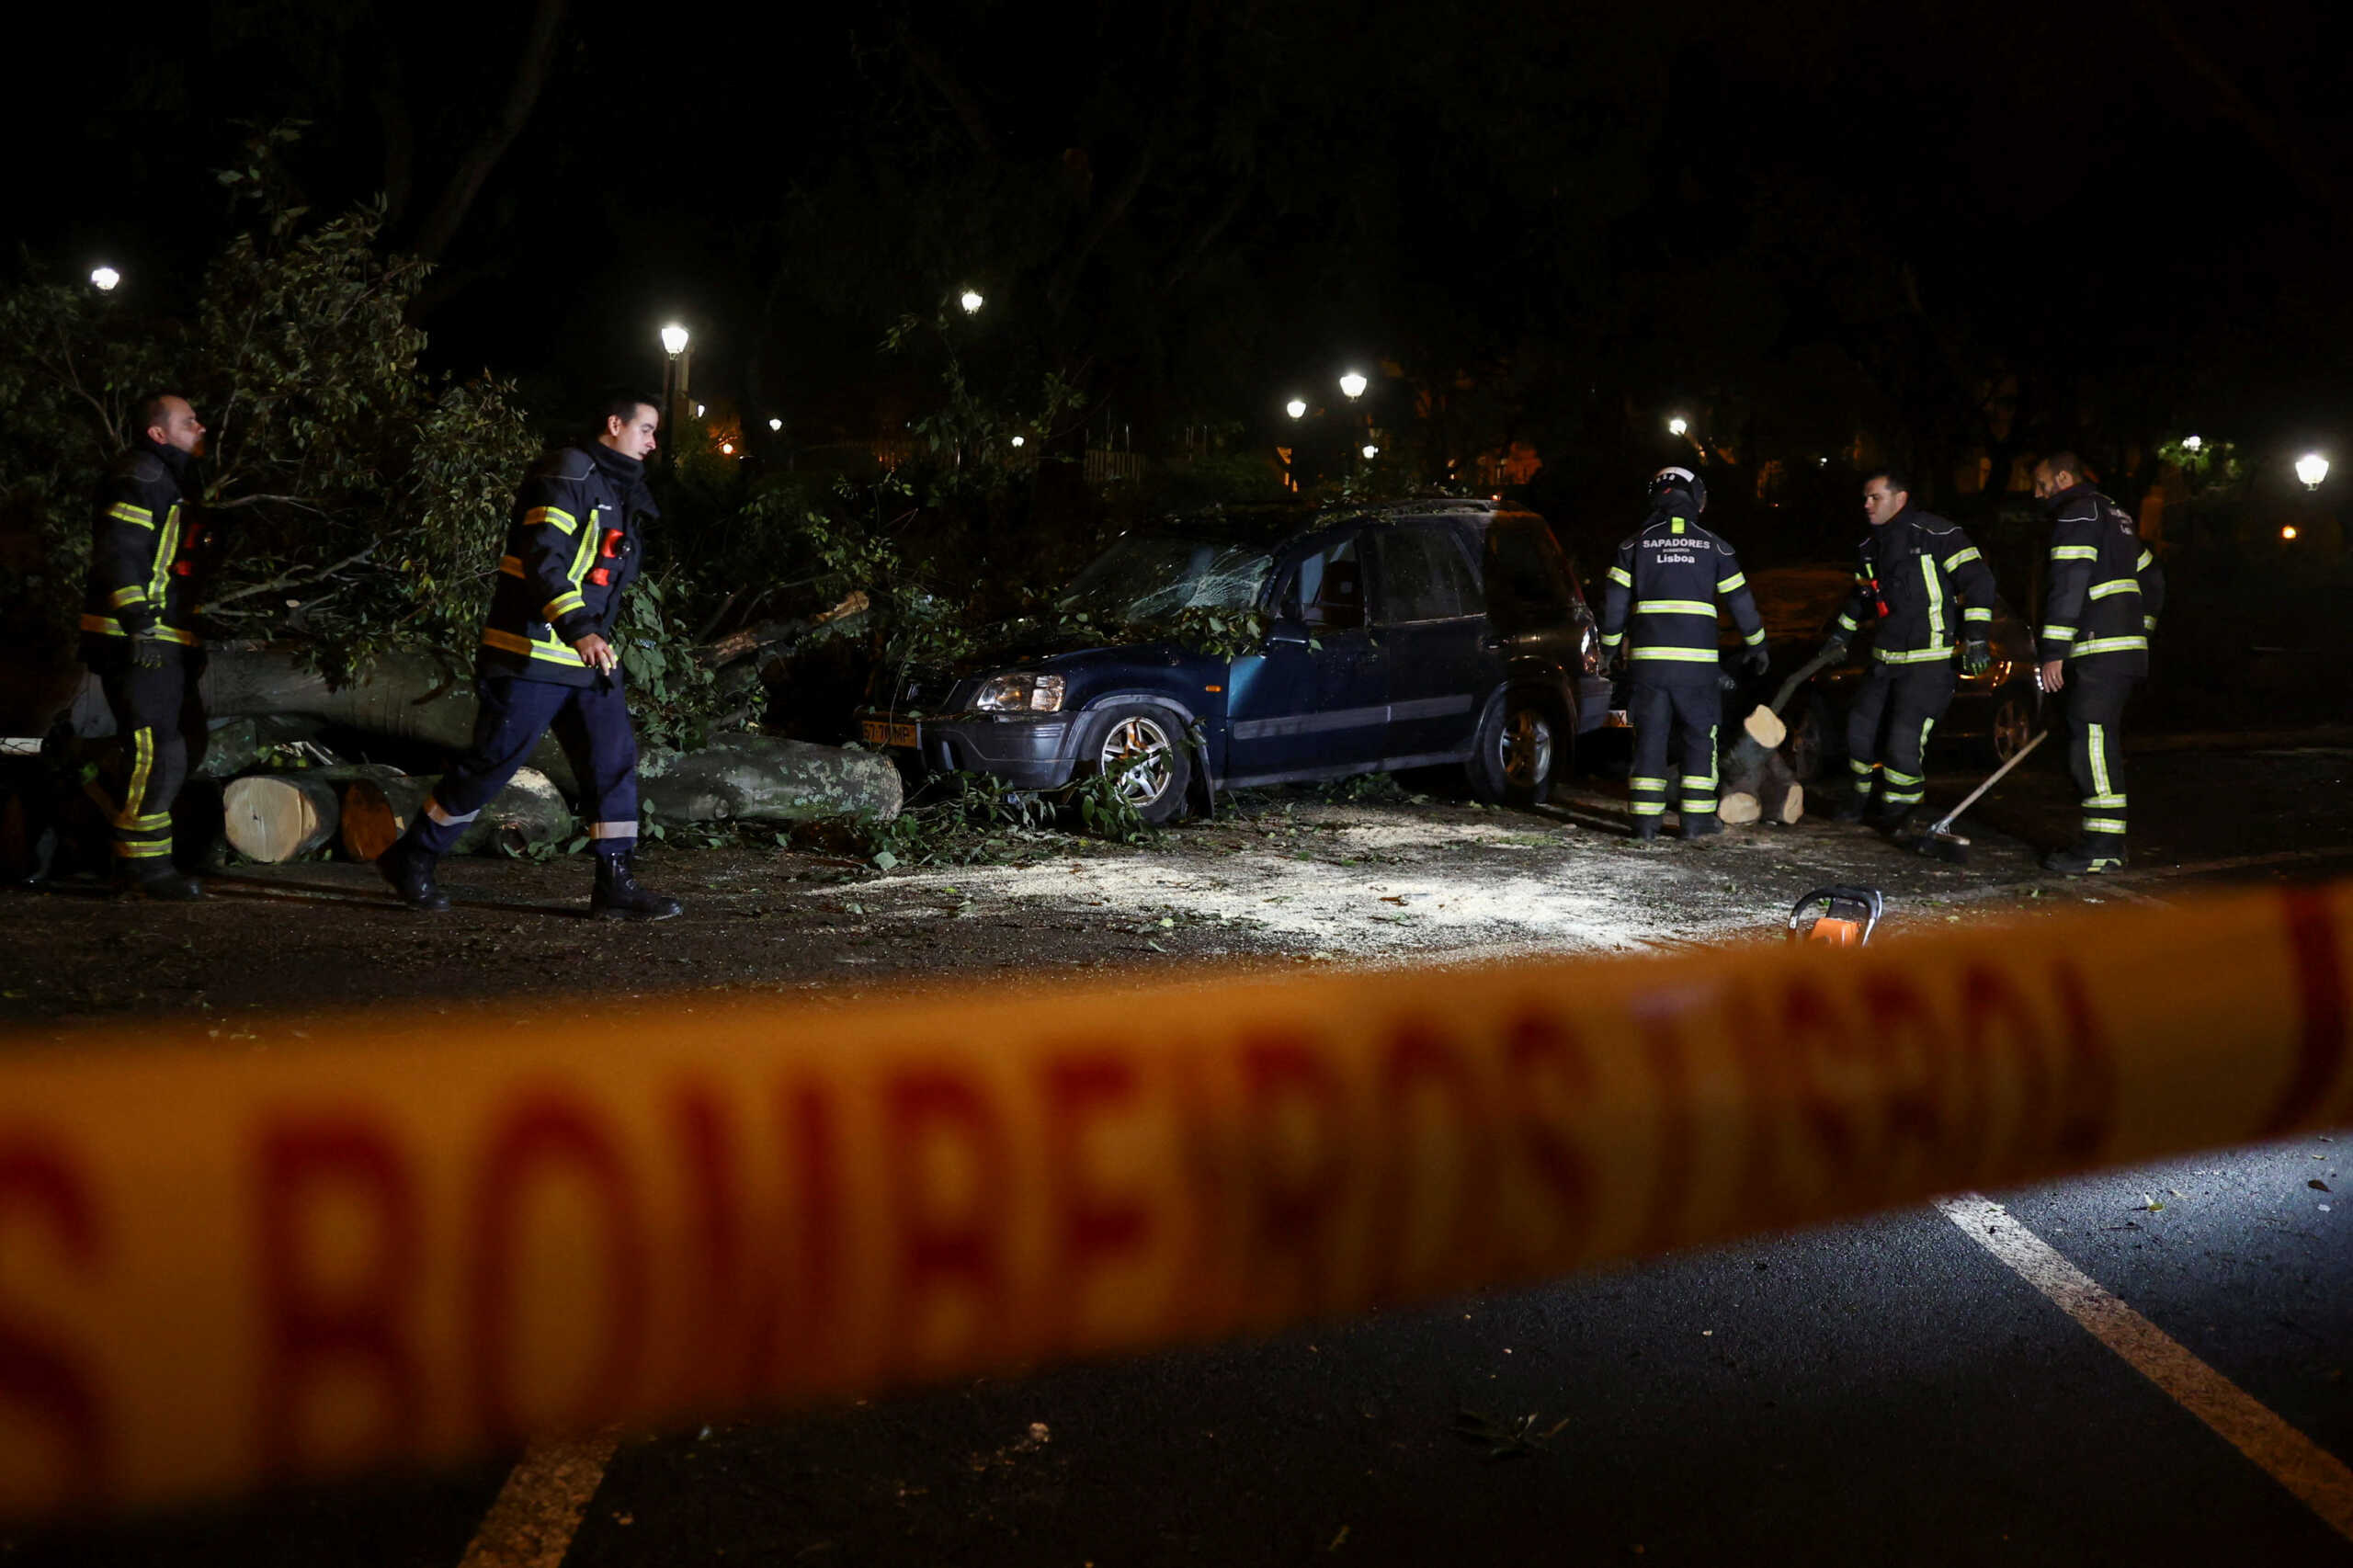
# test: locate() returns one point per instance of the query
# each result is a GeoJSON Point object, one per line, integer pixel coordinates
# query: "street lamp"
{"type": "Point", "coordinates": [1678, 426]}
{"type": "Point", "coordinates": [674, 384]}
{"type": "Point", "coordinates": [1371, 451]}
{"type": "Point", "coordinates": [697, 410]}
{"type": "Point", "coordinates": [972, 302]}
{"type": "Point", "coordinates": [2193, 443]}
{"type": "Point", "coordinates": [2312, 468]}
{"type": "Point", "coordinates": [1352, 385]}
{"type": "Point", "coordinates": [1296, 408]}
{"type": "Point", "coordinates": [776, 423]}
{"type": "Point", "coordinates": [2288, 530]}
{"type": "Point", "coordinates": [104, 278]}
{"type": "Point", "coordinates": [1020, 440]}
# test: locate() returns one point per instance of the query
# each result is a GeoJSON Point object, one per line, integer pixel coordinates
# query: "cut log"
{"type": "Point", "coordinates": [1792, 809]}
{"type": "Point", "coordinates": [377, 811]}
{"type": "Point", "coordinates": [1737, 808]}
{"type": "Point", "coordinates": [760, 778]}
{"type": "Point", "coordinates": [275, 817]}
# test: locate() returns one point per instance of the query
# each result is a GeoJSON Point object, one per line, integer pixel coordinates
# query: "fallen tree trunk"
{"type": "Point", "coordinates": [377, 811]}
{"type": "Point", "coordinates": [406, 697]}
{"type": "Point", "coordinates": [760, 778]}
{"type": "Point", "coordinates": [1770, 794]}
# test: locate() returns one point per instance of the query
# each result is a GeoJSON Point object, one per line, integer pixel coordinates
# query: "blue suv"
{"type": "Point", "coordinates": [1406, 635]}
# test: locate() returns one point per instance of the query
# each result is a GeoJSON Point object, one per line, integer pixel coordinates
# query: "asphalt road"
{"type": "Point", "coordinates": [1899, 1390]}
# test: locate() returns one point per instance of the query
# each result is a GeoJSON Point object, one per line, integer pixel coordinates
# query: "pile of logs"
{"type": "Point", "coordinates": [275, 817]}
{"type": "Point", "coordinates": [1757, 785]}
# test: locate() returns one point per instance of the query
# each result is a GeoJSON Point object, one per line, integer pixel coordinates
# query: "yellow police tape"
{"type": "Point", "coordinates": [397, 1240]}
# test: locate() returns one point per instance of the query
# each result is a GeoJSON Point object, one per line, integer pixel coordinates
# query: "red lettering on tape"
{"type": "Point", "coordinates": [950, 1234]}
{"type": "Point", "coordinates": [541, 1135]}
{"type": "Point", "coordinates": [38, 1375]}
{"type": "Point", "coordinates": [2323, 1014]}
{"type": "Point", "coordinates": [712, 1167]}
{"type": "Point", "coordinates": [1418, 1059]}
{"type": "Point", "coordinates": [1294, 1184]}
{"type": "Point", "coordinates": [1090, 1228]}
{"type": "Point", "coordinates": [1550, 1073]}
{"type": "Point", "coordinates": [314, 1327]}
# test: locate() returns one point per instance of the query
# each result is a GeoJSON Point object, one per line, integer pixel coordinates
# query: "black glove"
{"type": "Point", "coordinates": [147, 650]}
{"type": "Point", "coordinates": [1835, 645]}
{"type": "Point", "coordinates": [1756, 661]}
{"type": "Point", "coordinates": [1976, 656]}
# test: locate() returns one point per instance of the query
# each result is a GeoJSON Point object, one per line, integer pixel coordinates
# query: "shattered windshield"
{"type": "Point", "coordinates": [1151, 577]}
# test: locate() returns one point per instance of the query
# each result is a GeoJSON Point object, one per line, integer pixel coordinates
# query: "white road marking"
{"type": "Point", "coordinates": [538, 1509]}
{"type": "Point", "coordinates": [2319, 1479]}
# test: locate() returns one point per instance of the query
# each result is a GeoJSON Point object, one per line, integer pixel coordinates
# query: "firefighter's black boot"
{"type": "Point", "coordinates": [1890, 820]}
{"type": "Point", "coordinates": [2099, 852]}
{"type": "Point", "coordinates": [1646, 830]}
{"type": "Point", "coordinates": [618, 896]}
{"type": "Point", "coordinates": [156, 880]}
{"type": "Point", "coordinates": [1854, 808]}
{"type": "Point", "coordinates": [1702, 825]}
{"type": "Point", "coordinates": [410, 872]}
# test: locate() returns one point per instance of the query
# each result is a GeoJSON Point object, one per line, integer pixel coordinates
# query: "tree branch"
{"type": "Point", "coordinates": [522, 96]}
{"type": "Point", "coordinates": [290, 579]}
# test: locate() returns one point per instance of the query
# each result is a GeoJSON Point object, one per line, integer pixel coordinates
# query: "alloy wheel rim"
{"type": "Point", "coordinates": [2010, 726]}
{"type": "Point", "coordinates": [1527, 747]}
{"type": "Point", "coordinates": [1136, 755]}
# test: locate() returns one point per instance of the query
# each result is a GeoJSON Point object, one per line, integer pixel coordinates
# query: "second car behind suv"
{"type": "Point", "coordinates": [1407, 635]}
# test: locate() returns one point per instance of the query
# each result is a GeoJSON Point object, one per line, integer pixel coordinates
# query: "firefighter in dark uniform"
{"type": "Point", "coordinates": [149, 558]}
{"type": "Point", "coordinates": [574, 545]}
{"type": "Point", "coordinates": [1662, 608]}
{"type": "Point", "coordinates": [2106, 594]}
{"type": "Point", "coordinates": [1922, 589]}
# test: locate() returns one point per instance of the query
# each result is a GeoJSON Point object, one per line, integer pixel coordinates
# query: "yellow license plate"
{"type": "Point", "coordinates": [879, 733]}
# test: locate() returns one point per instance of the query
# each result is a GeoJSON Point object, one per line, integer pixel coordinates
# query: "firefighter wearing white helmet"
{"type": "Point", "coordinates": [1659, 617]}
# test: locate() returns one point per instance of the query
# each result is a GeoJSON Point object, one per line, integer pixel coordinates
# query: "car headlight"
{"type": "Point", "coordinates": [1020, 694]}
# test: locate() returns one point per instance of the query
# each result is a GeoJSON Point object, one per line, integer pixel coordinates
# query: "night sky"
{"type": "Point", "coordinates": [1808, 221]}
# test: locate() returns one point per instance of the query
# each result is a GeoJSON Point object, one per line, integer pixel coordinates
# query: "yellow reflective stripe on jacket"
{"type": "Point", "coordinates": [2074, 552]}
{"type": "Point", "coordinates": [1936, 599]}
{"type": "Point", "coordinates": [123, 511]}
{"type": "Point", "coordinates": [2109, 645]}
{"type": "Point", "coordinates": [1620, 576]}
{"type": "Point", "coordinates": [511, 564]}
{"type": "Point", "coordinates": [1976, 612]}
{"type": "Point", "coordinates": [1961, 558]}
{"type": "Point", "coordinates": [2115, 585]}
{"type": "Point", "coordinates": [586, 553]}
{"type": "Point", "coordinates": [1675, 606]}
{"type": "Point", "coordinates": [2060, 634]}
{"type": "Point", "coordinates": [1690, 655]}
{"type": "Point", "coordinates": [134, 595]}
{"type": "Point", "coordinates": [515, 642]}
{"type": "Point", "coordinates": [1755, 639]}
{"type": "Point", "coordinates": [1912, 655]}
{"type": "Point", "coordinates": [1727, 585]}
{"type": "Point", "coordinates": [556, 517]}
{"type": "Point", "coordinates": [105, 625]}
{"type": "Point", "coordinates": [562, 605]}
{"type": "Point", "coordinates": [2148, 623]}
{"type": "Point", "coordinates": [2143, 563]}
{"type": "Point", "coordinates": [1611, 638]}
{"type": "Point", "coordinates": [1848, 621]}
{"type": "Point", "coordinates": [167, 542]}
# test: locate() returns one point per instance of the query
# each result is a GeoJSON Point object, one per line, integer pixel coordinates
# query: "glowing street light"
{"type": "Point", "coordinates": [1371, 451]}
{"type": "Point", "coordinates": [2312, 468]}
{"type": "Point", "coordinates": [727, 449]}
{"type": "Point", "coordinates": [972, 302]}
{"type": "Point", "coordinates": [697, 410]}
{"type": "Point", "coordinates": [2288, 530]}
{"type": "Point", "coordinates": [776, 423]}
{"type": "Point", "coordinates": [673, 339]}
{"type": "Point", "coordinates": [2193, 443]}
{"type": "Point", "coordinates": [1678, 426]}
{"type": "Point", "coordinates": [1020, 440]}
{"type": "Point", "coordinates": [1296, 408]}
{"type": "Point", "coordinates": [104, 278]}
{"type": "Point", "coordinates": [1352, 385]}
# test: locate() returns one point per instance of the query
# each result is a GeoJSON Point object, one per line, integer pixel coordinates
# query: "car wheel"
{"type": "Point", "coordinates": [1144, 753]}
{"type": "Point", "coordinates": [1520, 746]}
{"type": "Point", "coordinates": [2010, 725]}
